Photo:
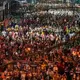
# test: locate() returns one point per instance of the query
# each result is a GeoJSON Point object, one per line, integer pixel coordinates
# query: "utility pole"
{"type": "Point", "coordinates": [73, 7]}
{"type": "Point", "coordinates": [4, 4]}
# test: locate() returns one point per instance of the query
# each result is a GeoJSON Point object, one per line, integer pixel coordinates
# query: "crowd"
{"type": "Point", "coordinates": [27, 53]}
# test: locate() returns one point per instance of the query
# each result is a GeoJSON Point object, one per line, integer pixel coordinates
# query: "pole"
{"type": "Point", "coordinates": [8, 10]}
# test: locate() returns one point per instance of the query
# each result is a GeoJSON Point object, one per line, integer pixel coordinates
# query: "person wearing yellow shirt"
{"type": "Point", "coordinates": [43, 65]}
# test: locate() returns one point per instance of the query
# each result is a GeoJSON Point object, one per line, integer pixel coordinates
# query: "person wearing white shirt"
{"type": "Point", "coordinates": [4, 33]}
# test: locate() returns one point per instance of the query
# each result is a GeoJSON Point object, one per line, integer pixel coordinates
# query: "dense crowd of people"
{"type": "Point", "coordinates": [27, 52]}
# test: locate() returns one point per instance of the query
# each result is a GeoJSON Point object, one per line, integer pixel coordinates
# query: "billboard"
{"type": "Point", "coordinates": [77, 1]}
{"type": "Point", "coordinates": [31, 1]}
